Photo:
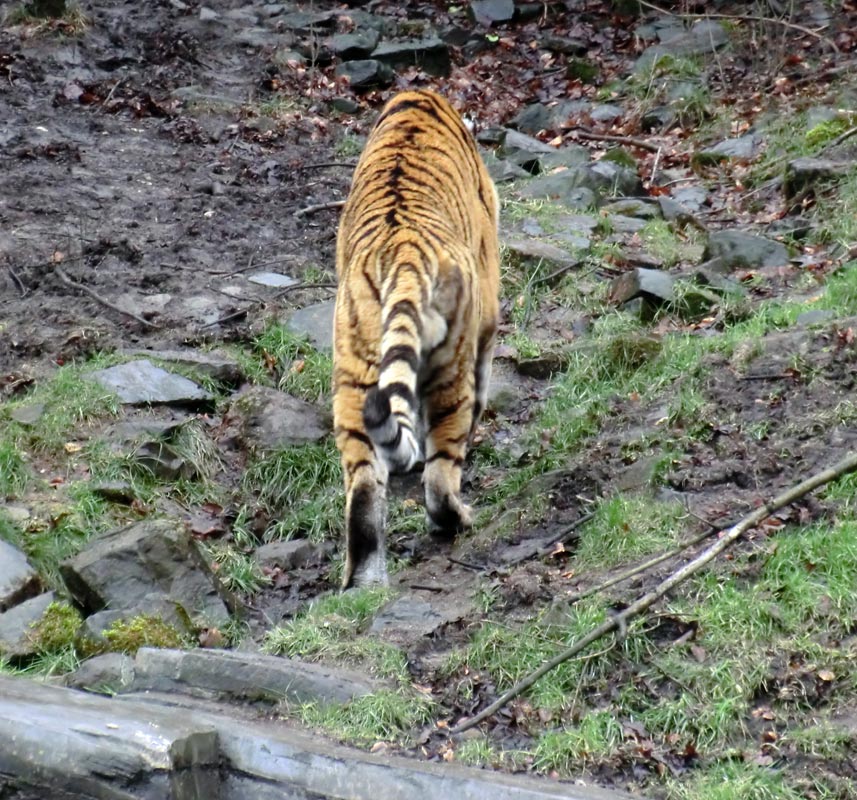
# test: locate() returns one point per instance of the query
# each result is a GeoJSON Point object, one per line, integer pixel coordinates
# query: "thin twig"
{"type": "Point", "coordinates": [229, 317]}
{"type": "Point", "coordinates": [547, 547]}
{"type": "Point", "coordinates": [324, 165]}
{"type": "Point", "coordinates": [302, 212]}
{"type": "Point", "coordinates": [619, 621]}
{"type": "Point", "coordinates": [466, 564]}
{"type": "Point", "coordinates": [842, 138]}
{"type": "Point", "coordinates": [112, 91]}
{"type": "Point", "coordinates": [557, 273]}
{"type": "Point", "coordinates": [60, 273]}
{"type": "Point", "coordinates": [297, 286]}
{"type": "Point", "coordinates": [16, 280]}
{"type": "Point", "coordinates": [582, 133]}
{"type": "Point", "coordinates": [747, 18]}
{"type": "Point", "coordinates": [424, 588]}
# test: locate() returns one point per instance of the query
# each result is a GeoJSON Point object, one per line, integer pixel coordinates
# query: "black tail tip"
{"type": "Point", "coordinates": [376, 409]}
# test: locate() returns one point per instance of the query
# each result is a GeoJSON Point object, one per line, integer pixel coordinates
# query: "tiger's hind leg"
{"type": "Point", "coordinates": [365, 478]}
{"type": "Point", "coordinates": [449, 420]}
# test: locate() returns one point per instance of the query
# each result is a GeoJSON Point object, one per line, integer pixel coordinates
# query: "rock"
{"type": "Point", "coordinates": [75, 745]}
{"type": "Point", "coordinates": [692, 197]}
{"type": "Point", "coordinates": [16, 628]}
{"type": "Point", "coordinates": [744, 148]}
{"type": "Point", "coordinates": [140, 382]}
{"type": "Point", "coordinates": [308, 21]}
{"type": "Point", "coordinates": [245, 675]}
{"type": "Point", "coordinates": [543, 367]}
{"type": "Point", "coordinates": [275, 280]}
{"type": "Point", "coordinates": [316, 323]}
{"type": "Point", "coordinates": [18, 580]}
{"type": "Point", "coordinates": [622, 224]}
{"type": "Point", "coordinates": [156, 604]}
{"type": "Point", "coordinates": [208, 15]}
{"type": "Point", "coordinates": [733, 249]}
{"type": "Point", "coordinates": [214, 365]}
{"type": "Point", "coordinates": [606, 113]}
{"type": "Point", "coordinates": [355, 46]}
{"type": "Point", "coordinates": [108, 673]}
{"type": "Point", "coordinates": [717, 282]}
{"type": "Point", "coordinates": [524, 151]}
{"type": "Point", "coordinates": [640, 209]}
{"type": "Point", "coordinates": [651, 284]}
{"type": "Point", "coordinates": [540, 116]}
{"type": "Point", "coordinates": [28, 415]}
{"type": "Point", "coordinates": [673, 211]}
{"type": "Point", "coordinates": [430, 55]}
{"type": "Point", "coordinates": [406, 617]}
{"type": "Point", "coordinates": [293, 554]}
{"type": "Point", "coordinates": [365, 73]}
{"type": "Point", "coordinates": [488, 12]}
{"type": "Point", "coordinates": [803, 174]}
{"type": "Point", "coordinates": [71, 745]}
{"type": "Point", "coordinates": [502, 171]}
{"type": "Point", "coordinates": [345, 105]}
{"type": "Point", "coordinates": [163, 462]}
{"type": "Point", "coordinates": [657, 119]}
{"type": "Point", "coordinates": [539, 250]}
{"type": "Point", "coordinates": [817, 316]}
{"type": "Point", "coordinates": [704, 38]}
{"type": "Point", "coordinates": [121, 568]}
{"type": "Point", "coordinates": [564, 44]}
{"type": "Point", "coordinates": [266, 419]}
{"type": "Point", "coordinates": [604, 178]}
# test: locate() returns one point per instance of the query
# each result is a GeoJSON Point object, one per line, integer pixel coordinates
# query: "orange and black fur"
{"type": "Point", "coordinates": [416, 319]}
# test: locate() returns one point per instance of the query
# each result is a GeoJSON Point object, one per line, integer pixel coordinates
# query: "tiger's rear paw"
{"type": "Point", "coordinates": [371, 572]}
{"type": "Point", "coordinates": [448, 518]}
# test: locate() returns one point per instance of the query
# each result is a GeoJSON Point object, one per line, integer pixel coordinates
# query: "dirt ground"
{"type": "Point", "coordinates": [137, 160]}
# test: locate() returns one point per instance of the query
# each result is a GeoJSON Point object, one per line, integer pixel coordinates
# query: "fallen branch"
{"type": "Point", "coordinates": [842, 138]}
{"type": "Point", "coordinates": [747, 18]}
{"type": "Point", "coordinates": [302, 212]}
{"type": "Point", "coordinates": [619, 621]}
{"type": "Point", "coordinates": [60, 273]}
{"type": "Point", "coordinates": [609, 137]}
{"type": "Point", "coordinates": [298, 286]}
{"type": "Point", "coordinates": [324, 165]}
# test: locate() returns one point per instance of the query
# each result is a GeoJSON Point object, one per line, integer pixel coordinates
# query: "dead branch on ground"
{"type": "Point", "coordinates": [620, 621]}
{"type": "Point", "coordinates": [60, 273]}
{"type": "Point", "coordinates": [303, 212]}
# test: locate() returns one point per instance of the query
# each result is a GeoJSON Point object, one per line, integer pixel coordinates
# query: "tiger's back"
{"type": "Point", "coordinates": [415, 321]}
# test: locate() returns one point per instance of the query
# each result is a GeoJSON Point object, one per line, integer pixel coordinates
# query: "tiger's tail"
{"type": "Point", "coordinates": [391, 408]}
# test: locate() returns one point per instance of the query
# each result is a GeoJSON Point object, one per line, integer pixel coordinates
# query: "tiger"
{"type": "Point", "coordinates": [415, 320]}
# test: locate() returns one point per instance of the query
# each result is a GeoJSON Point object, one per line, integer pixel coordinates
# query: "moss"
{"type": "Point", "coordinates": [57, 629]}
{"type": "Point", "coordinates": [146, 630]}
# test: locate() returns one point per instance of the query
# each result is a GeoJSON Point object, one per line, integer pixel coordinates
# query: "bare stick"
{"type": "Point", "coordinates": [16, 280]}
{"type": "Point", "coordinates": [324, 165]}
{"type": "Point", "coordinates": [60, 273]}
{"type": "Point", "coordinates": [298, 286]}
{"type": "Point", "coordinates": [620, 621]}
{"type": "Point", "coordinates": [228, 318]}
{"type": "Point", "coordinates": [842, 138]}
{"type": "Point", "coordinates": [748, 18]}
{"type": "Point", "coordinates": [302, 212]}
{"type": "Point", "coordinates": [609, 137]}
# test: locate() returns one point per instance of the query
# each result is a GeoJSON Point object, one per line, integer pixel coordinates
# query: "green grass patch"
{"type": "Point", "coordinates": [386, 715]}
{"type": "Point", "coordinates": [145, 630]}
{"type": "Point", "coordinates": [14, 472]}
{"type": "Point", "coordinates": [301, 489]}
{"type": "Point", "coordinates": [734, 780]}
{"type": "Point", "coordinates": [329, 630]}
{"type": "Point", "coordinates": [239, 572]}
{"type": "Point", "coordinates": [593, 737]}
{"type": "Point", "coordinates": [303, 371]}
{"type": "Point", "coordinates": [627, 527]}
{"type": "Point", "coordinates": [349, 146]}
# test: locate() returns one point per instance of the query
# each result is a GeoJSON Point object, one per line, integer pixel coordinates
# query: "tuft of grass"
{"type": "Point", "coordinates": [628, 527]}
{"type": "Point", "coordinates": [477, 752]}
{"type": "Point", "coordinates": [329, 631]}
{"type": "Point", "coordinates": [239, 572]}
{"type": "Point", "coordinates": [304, 371]}
{"type": "Point", "coordinates": [595, 736]}
{"type": "Point", "coordinates": [731, 780]}
{"type": "Point", "coordinates": [386, 715]}
{"type": "Point", "coordinates": [662, 242]}
{"type": "Point", "coordinates": [57, 630]}
{"type": "Point", "coordinates": [14, 473]}
{"type": "Point", "coordinates": [301, 488]}
{"type": "Point", "coordinates": [349, 146]}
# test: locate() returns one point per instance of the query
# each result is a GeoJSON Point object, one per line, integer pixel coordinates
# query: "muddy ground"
{"type": "Point", "coordinates": [152, 159]}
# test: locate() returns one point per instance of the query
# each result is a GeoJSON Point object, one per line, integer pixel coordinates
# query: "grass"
{"type": "Point", "coordinates": [384, 715]}
{"type": "Point", "coordinates": [349, 146]}
{"type": "Point", "coordinates": [732, 780]}
{"type": "Point", "coordinates": [593, 737]}
{"type": "Point", "coordinates": [301, 490]}
{"type": "Point", "coordinates": [14, 472]}
{"type": "Point", "coordinates": [329, 630]}
{"type": "Point", "coordinates": [303, 371]}
{"type": "Point", "coordinates": [239, 572]}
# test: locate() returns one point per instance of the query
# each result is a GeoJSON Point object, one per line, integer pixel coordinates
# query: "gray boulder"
{"type": "Point", "coordinates": [316, 323]}
{"type": "Point", "coordinates": [353, 46]}
{"type": "Point", "coordinates": [365, 73]}
{"type": "Point", "coordinates": [16, 627]}
{"type": "Point", "coordinates": [108, 673]}
{"type": "Point", "coordinates": [487, 12]}
{"type": "Point", "coordinates": [265, 419]}
{"type": "Point", "coordinates": [804, 174]}
{"type": "Point", "coordinates": [141, 382]}
{"type": "Point", "coordinates": [430, 55]}
{"type": "Point", "coordinates": [214, 365]}
{"type": "Point", "coordinates": [18, 580]}
{"type": "Point", "coordinates": [730, 250]}
{"type": "Point", "coordinates": [157, 556]}
{"type": "Point", "coordinates": [652, 284]}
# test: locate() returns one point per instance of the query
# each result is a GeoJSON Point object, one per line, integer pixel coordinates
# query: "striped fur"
{"type": "Point", "coordinates": [416, 319]}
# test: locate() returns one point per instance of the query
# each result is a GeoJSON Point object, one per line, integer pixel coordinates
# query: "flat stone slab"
{"type": "Point", "coordinates": [316, 323]}
{"type": "Point", "coordinates": [119, 569]}
{"type": "Point", "coordinates": [139, 382]}
{"type": "Point", "coordinates": [245, 675]}
{"type": "Point", "coordinates": [211, 364]}
{"type": "Point", "coordinates": [18, 580]}
{"type": "Point", "coordinates": [75, 745]}
{"type": "Point", "coordinates": [16, 632]}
